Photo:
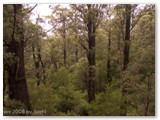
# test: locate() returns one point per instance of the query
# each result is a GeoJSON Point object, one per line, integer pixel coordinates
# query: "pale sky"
{"type": "Point", "coordinates": [42, 10]}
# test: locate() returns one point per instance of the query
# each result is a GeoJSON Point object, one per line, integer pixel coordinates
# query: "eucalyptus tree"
{"type": "Point", "coordinates": [14, 53]}
{"type": "Point", "coordinates": [60, 19]}
{"type": "Point", "coordinates": [91, 15]}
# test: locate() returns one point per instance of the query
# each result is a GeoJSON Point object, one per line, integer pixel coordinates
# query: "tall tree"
{"type": "Point", "coordinates": [61, 22]}
{"type": "Point", "coordinates": [36, 49]}
{"type": "Point", "coordinates": [126, 56]}
{"type": "Point", "coordinates": [15, 47]}
{"type": "Point", "coordinates": [91, 54]}
{"type": "Point", "coordinates": [92, 15]}
{"type": "Point", "coordinates": [127, 36]}
{"type": "Point", "coordinates": [108, 61]}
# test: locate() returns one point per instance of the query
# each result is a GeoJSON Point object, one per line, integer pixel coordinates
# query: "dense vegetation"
{"type": "Point", "coordinates": [98, 59]}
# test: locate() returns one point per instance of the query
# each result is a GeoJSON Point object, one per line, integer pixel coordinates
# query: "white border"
{"type": "Point", "coordinates": [157, 49]}
{"type": "Point", "coordinates": [80, 1]}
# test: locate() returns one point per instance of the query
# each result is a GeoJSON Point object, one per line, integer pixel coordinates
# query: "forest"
{"type": "Point", "coordinates": [95, 60]}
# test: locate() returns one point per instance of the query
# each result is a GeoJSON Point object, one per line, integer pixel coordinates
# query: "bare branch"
{"type": "Point", "coordinates": [31, 9]}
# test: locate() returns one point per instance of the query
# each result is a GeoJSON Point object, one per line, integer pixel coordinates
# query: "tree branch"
{"type": "Point", "coordinates": [139, 16]}
{"type": "Point", "coordinates": [80, 42]}
{"type": "Point", "coordinates": [14, 22]}
{"type": "Point", "coordinates": [31, 9]}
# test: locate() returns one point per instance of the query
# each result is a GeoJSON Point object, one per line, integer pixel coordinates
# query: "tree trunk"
{"type": "Point", "coordinates": [16, 71]}
{"type": "Point", "coordinates": [4, 81]}
{"type": "Point", "coordinates": [126, 57]}
{"type": "Point", "coordinates": [37, 65]}
{"type": "Point", "coordinates": [109, 79]}
{"type": "Point", "coordinates": [76, 52]}
{"type": "Point", "coordinates": [91, 56]}
{"type": "Point", "coordinates": [127, 37]}
{"type": "Point", "coordinates": [148, 97]}
{"type": "Point", "coordinates": [120, 52]}
{"type": "Point", "coordinates": [64, 43]}
{"type": "Point", "coordinates": [54, 61]}
{"type": "Point", "coordinates": [43, 65]}
{"type": "Point", "coordinates": [65, 53]}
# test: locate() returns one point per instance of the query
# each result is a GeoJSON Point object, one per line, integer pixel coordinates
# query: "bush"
{"type": "Point", "coordinates": [58, 96]}
{"type": "Point", "coordinates": [107, 103]}
{"type": "Point", "coordinates": [12, 107]}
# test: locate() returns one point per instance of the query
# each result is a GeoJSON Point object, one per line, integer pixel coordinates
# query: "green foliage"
{"type": "Point", "coordinates": [66, 100]}
{"type": "Point", "coordinates": [42, 98]}
{"type": "Point", "coordinates": [101, 76]}
{"type": "Point", "coordinates": [80, 71]}
{"type": "Point", "coordinates": [140, 74]}
{"type": "Point", "coordinates": [107, 103]}
{"type": "Point", "coordinates": [12, 107]}
{"type": "Point", "coordinates": [60, 78]}
{"type": "Point", "coordinates": [71, 101]}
